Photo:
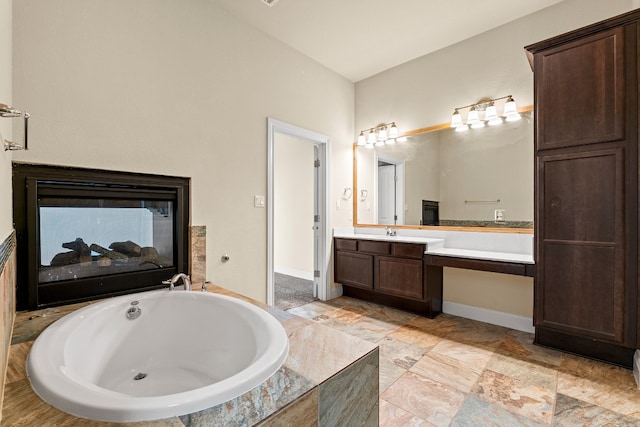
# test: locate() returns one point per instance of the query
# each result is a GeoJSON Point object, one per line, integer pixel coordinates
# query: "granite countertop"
{"type": "Point", "coordinates": [316, 353]}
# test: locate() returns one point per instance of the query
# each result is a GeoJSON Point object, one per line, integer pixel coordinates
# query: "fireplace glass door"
{"type": "Point", "coordinates": [95, 237]}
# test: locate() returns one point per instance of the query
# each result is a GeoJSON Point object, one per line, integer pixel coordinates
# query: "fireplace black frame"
{"type": "Point", "coordinates": [29, 180]}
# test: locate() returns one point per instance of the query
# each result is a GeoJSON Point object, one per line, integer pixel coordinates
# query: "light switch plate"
{"type": "Point", "coordinates": [258, 201]}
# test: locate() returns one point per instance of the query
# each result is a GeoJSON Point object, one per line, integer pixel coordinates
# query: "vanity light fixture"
{"type": "Point", "coordinates": [384, 133]}
{"type": "Point", "coordinates": [491, 117]}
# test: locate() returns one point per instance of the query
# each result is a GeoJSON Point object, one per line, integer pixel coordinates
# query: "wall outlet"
{"type": "Point", "coordinates": [498, 215]}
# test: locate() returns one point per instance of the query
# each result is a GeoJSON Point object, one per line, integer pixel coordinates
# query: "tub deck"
{"type": "Point", "coordinates": [328, 378]}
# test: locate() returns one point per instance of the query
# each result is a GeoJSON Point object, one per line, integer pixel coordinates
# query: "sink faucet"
{"type": "Point", "coordinates": [390, 231]}
{"type": "Point", "coordinates": [176, 277]}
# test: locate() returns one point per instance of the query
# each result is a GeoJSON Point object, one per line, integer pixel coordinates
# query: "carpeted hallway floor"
{"type": "Point", "coordinates": [292, 291]}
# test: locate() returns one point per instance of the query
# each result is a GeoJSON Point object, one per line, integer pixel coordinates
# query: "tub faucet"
{"type": "Point", "coordinates": [176, 277]}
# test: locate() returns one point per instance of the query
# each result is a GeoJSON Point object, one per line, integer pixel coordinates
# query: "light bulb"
{"type": "Point", "coordinates": [361, 138]}
{"type": "Point", "coordinates": [382, 134]}
{"type": "Point", "coordinates": [390, 141]}
{"type": "Point", "coordinates": [456, 119]}
{"type": "Point", "coordinates": [393, 130]}
{"type": "Point", "coordinates": [473, 117]}
{"type": "Point", "coordinates": [462, 128]}
{"type": "Point", "coordinates": [510, 108]}
{"type": "Point", "coordinates": [380, 143]}
{"type": "Point", "coordinates": [371, 138]}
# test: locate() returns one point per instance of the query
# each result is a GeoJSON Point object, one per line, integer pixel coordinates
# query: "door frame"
{"type": "Point", "coordinates": [275, 126]}
{"type": "Point", "coordinates": [400, 190]}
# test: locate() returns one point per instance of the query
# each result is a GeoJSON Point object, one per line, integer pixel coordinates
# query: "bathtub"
{"type": "Point", "coordinates": [184, 352]}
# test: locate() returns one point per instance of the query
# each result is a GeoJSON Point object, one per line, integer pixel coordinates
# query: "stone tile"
{"type": "Point", "coordinates": [424, 398]}
{"type": "Point", "coordinates": [520, 345]}
{"type": "Point", "coordinates": [29, 324]}
{"type": "Point", "coordinates": [471, 355]}
{"type": "Point", "coordinates": [603, 373]}
{"type": "Point", "coordinates": [17, 359]}
{"type": "Point", "coordinates": [416, 336]}
{"type": "Point", "coordinates": [302, 412]}
{"type": "Point", "coordinates": [477, 412]}
{"type": "Point", "coordinates": [198, 258]}
{"type": "Point", "coordinates": [392, 315]}
{"type": "Point", "coordinates": [529, 401]}
{"type": "Point", "coordinates": [350, 398]}
{"type": "Point", "coordinates": [376, 326]}
{"type": "Point", "coordinates": [282, 388]}
{"type": "Point", "coordinates": [447, 371]}
{"type": "Point", "coordinates": [22, 407]}
{"type": "Point", "coordinates": [526, 372]}
{"type": "Point", "coordinates": [308, 355]}
{"type": "Point", "coordinates": [355, 304]}
{"type": "Point", "coordinates": [389, 374]}
{"type": "Point", "coordinates": [601, 392]}
{"type": "Point", "coordinates": [392, 416]}
{"type": "Point", "coordinates": [400, 353]}
{"type": "Point", "coordinates": [571, 412]}
{"type": "Point", "coordinates": [312, 310]}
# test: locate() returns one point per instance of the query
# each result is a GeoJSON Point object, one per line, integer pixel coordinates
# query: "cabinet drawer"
{"type": "Point", "coordinates": [346, 244]}
{"type": "Point", "coordinates": [407, 250]}
{"type": "Point", "coordinates": [373, 247]}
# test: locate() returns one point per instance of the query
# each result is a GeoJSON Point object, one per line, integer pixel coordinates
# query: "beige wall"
{"type": "Point", "coordinates": [176, 87]}
{"type": "Point", "coordinates": [293, 209]}
{"type": "Point", "coordinates": [424, 92]}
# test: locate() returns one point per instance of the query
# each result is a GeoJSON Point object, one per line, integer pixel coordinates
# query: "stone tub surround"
{"type": "Point", "coordinates": [8, 303]}
{"type": "Point", "coordinates": [507, 247]}
{"type": "Point", "coordinates": [328, 376]}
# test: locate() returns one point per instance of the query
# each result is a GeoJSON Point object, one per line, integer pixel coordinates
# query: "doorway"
{"type": "Point", "coordinates": [297, 270]}
{"type": "Point", "coordinates": [389, 190]}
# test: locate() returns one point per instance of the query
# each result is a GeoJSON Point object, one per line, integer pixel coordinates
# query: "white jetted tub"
{"type": "Point", "coordinates": [155, 355]}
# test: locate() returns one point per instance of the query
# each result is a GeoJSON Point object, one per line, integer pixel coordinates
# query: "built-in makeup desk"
{"type": "Point", "coordinates": [493, 261]}
{"type": "Point", "coordinates": [405, 271]}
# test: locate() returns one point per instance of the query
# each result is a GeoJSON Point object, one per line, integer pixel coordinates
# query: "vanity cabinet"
{"type": "Point", "coordinates": [586, 190]}
{"type": "Point", "coordinates": [390, 273]}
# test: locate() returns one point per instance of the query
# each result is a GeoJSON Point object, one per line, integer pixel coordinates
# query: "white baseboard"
{"type": "Point", "coordinates": [306, 275]}
{"type": "Point", "coordinates": [519, 323]}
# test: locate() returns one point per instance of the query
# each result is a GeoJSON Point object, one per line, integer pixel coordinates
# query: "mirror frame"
{"type": "Point", "coordinates": [415, 132]}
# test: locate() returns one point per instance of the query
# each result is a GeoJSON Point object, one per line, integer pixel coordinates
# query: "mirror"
{"type": "Point", "coordinates": [476, 178]}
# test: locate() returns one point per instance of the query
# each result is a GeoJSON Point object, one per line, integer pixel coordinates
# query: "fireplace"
{"type": "Point", "coordinates": [84, 234]}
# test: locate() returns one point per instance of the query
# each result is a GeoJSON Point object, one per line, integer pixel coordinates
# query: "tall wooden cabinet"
{"type": "Point", "coordinates": [586, 189]}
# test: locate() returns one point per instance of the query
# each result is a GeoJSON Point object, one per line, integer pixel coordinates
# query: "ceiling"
{"type": "Point", "coordinates": [360, 38]}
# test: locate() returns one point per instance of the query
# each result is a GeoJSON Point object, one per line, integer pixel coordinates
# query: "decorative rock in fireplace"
{"type": "Point", "coordinates": [84, 234]}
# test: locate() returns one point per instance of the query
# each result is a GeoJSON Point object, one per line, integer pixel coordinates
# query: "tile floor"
{"type": "Point", "coordinates": [452, 371]}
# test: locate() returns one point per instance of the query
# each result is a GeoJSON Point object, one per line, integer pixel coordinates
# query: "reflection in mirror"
{"type": "Point", "coordinates": [478, 178]}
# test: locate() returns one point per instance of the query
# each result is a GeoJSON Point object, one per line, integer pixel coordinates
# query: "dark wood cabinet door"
{"type": "Point", "coordinates": [580, 91]}
{"type": "Point", "coordinates": [354, 269]}
{"type": "Point", "coordinates": [580, 286]}
{"type": "Point", "coordinates": [399, 276]}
